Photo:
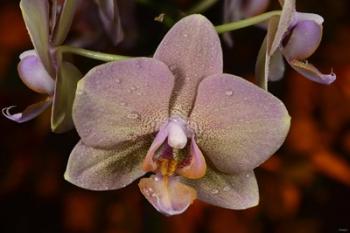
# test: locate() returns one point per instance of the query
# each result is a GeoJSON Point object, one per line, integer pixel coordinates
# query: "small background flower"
{"type": "Point", "coordinates": [304, 188]}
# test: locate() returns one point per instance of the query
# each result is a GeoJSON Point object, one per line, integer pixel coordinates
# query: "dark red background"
{"type": "Point", "coordinates": [305, 187]}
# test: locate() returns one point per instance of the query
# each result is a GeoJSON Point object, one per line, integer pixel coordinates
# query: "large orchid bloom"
{"type": "Point", "coordinates": [176, 115]}
{"type": "Point", "coordinates": [294, 36]}
{"type": "Point", "coordinates": [41, 70]}
{"type": "Point", "coordinates": [234, 10]}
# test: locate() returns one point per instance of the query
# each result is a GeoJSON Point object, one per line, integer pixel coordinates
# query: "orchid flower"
{"type": "Point", "coordinates": [41, 70]}
{"type": "Point", "coordinates": [294, 36]}
{"type": "Point", "coordinates": [176, 115]}
{"type": "Point", "coordinates": [235, 10]}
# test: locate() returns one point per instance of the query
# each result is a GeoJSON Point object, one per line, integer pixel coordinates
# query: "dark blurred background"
{"type": "Point", "coordinates": [304, 187]}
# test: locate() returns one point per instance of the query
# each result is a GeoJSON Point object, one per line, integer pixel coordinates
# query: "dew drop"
{"type": "Point", "coordinates": [79, 92]}
{"type": "Point", "coordinates": [123, 104]}
{"type": "Point", "coordinates": [146, 192]}
{"type": "Point", "coordinates": [133, 88]}
{"type": "Point", "coordinates": [229, 93]}
{"type": "Point", "coordinates": [172, 67]}
{"type": "Point", "coordinates": [185, 35]}
{"type": "Point", "coordinates": [118, 81]}
{"type": "Point", "coordinates": [227, 188]}
{"type": "Point", "coordinates": [133, 115]}
{"type": "Point", "coordinates": [247, 175]}
{"type": "Point", "coordinates": [214, 191]}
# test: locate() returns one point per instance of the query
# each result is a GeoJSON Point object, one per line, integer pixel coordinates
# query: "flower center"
{"type": "Point", "coordinates": [167, 167]}
{"type": "Point", "coordinates": [171, 154]}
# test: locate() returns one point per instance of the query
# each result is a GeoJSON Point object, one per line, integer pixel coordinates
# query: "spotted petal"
{"type": "Point", "coordinates": [98, 169]}
{"type": "Point", "coordinates": [120, 101]}
{"type": "Point", "coordinates": [232, 191]}
{"type": "Point", "coordinates": [36, 17]}
{"type": "Point", "coordinates": [192, 51]}
{"type": "Point", "coordinates": [238, 125]}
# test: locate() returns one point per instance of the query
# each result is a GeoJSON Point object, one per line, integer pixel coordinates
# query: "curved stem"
{"type": "Point", "coordinates": [246, 22]}
{"type": "Point", "coordinates": [90, 54]}
{"type": "Point", "coordinates": [201, 6]}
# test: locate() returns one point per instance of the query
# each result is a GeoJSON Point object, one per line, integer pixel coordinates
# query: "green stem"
{"type": "Point", "coordinates": [246, 22]}
{"type": "Point", "coordinates": [90, 54]}
{"type": "Point", "coordinates": [201, 6]}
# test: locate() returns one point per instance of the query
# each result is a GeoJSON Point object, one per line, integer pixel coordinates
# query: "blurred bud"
{"type": "Point", "coordinates": [33, 73]}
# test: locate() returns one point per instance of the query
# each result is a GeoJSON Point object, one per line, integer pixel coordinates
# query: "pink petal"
{"type": "Point", "coordinates": [66, 84]}
{"type": "Point", "coordinates": [29, 113]}
{"type": "Point", "coordinates": [304, 40]}
{"type": "Point", "coordinates": [192, 51]}
{"type": "Point", "coordinates": [98, 169]}
{"type": "Point", "coordinates": [255, 7]}
{"type": "Point", "coordinates": [121, 101]}
{"type": "Point", "coordinates": [197, 165]}
{"type": "Point", "coordinates": [238, 125]}
{"type": "Point", "coordinates": [232, 191]}
{"type": "Point", "coordinates": [34, 75]}
{"type": "Point", "coordinates": [268, 68]}
{"type": "Point", "coordinates": [36, 18]}
{"type": "Point", "coordinates": [167, 195]}
{"type": "Point", "coordinates": [311, 72]}
{"type": "Point", "coordinates": [286, 18]}
{"type": "Point", "coordinates": [149, 164]}
{"type": "Point", "coordinates": [234, 10]}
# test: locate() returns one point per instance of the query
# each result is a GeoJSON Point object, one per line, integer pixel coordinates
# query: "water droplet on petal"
{"type": "Point", "coordinates": [79, 91]}
{"type": "Point", "coordinates": [214, 191]}
{"type": "Point", "coordinates": [229, 92]}
{"type": "Point", "coordinates": [133, 115]}
{"type": "Point", "coordinates": [172, 67]}
{"type": "Point", "coordinates": [247, 175]}
{"type": "Point", "coordinates": [185, 35]}
{"type": "Point", "coordinates": [118, 81]}
{"type": "Point", "coordinates": [123, 104]}
{"type": "Point", "coordinates": [133, 88]}
{"type": "Point", "coordinates": [227, 188]}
